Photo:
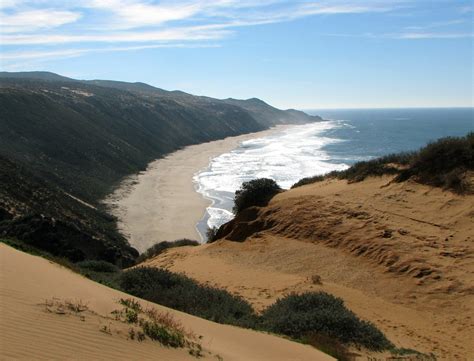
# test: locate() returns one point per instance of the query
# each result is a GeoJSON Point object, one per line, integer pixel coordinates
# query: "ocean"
{"type": "Point", "coordinates": [346, 137]}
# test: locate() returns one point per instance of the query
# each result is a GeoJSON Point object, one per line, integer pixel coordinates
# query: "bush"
{"type": "Point", "coordinates": [257, 192]}
{"type": "Point", "coordinates": [98, 266]}
{"type": "Point", "coordinates": [309, 180]}
{"type": "Point", "coordinates": [441, 164]}
{"type": "Point", "coordinates": [184, 294]}
{"type": "Point", "coordinates": [329, 345]}
{"type": "Point", "coordinates": [160, 247]}
{"type": "Point", "coordinates": [300, 316]}
{"type": "Point", "coordinates": [211, 234]}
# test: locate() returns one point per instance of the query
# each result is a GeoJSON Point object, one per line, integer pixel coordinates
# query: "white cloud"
{"type": "Point", "coordinates": [130, 14]}
{"type": "Point", "coordinates": [438, 24]}
{"type": "Point", "coordinates": [9, 3]}
{"type": "Point", "coordinates": [67, 53]}
{"type": "Point", "coordinates": [426, 35]}
{"type": "Point", "coordinates": [33, 20]}
{"type": "Point", "coordinates": [167, 35]}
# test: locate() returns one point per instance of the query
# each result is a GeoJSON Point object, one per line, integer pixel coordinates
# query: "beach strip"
{"type": "Point", "coordinates": [161, 203]}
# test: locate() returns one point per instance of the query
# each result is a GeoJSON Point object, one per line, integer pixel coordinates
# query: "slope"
{"type": "Point", "coordinates": [399, 254]}
{"type": "Point", "coordinates": [30, 331]}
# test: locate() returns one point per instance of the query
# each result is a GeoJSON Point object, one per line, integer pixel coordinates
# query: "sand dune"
{"type": "Point", "coordinates": [400, 255]}
{"type": "Point", "coordinates": [28, 332]}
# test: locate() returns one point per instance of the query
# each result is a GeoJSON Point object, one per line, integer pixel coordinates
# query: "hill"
{"type": "Point", "coordinates": [80, 138]}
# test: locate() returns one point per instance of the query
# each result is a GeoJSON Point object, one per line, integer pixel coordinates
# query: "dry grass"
{"type": "Point", "coordinates": [62, 307]}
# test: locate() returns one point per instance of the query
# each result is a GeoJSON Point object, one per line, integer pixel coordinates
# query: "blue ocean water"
{"type": "Point", "coordinates": [372, 133]}
{"type": "Point", "coordinates": [346, 137]}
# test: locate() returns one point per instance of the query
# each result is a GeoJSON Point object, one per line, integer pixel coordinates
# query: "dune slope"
{"type": "Point", "coordinates": [399, 254]}
{"type": "Point", "coordinates": [30, 332]}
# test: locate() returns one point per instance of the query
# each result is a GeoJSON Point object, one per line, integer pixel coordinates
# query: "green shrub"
{"type": "Point", "coordinates": [211, 234]}
{"type": "Point", "coordinates": [160, 247]}
{"type": "Point", "coordinates": [98, 266]}
{"type": "Point", "coordinates": [309, 180]}
{"type": "Point", "coordinates": [300, 316]}
{"type": "Point", "coordinates": [131, 303]}
{"type": "Point", "coordinates": [441, 164]}
{"type": "Point", "coordinates": [162, 334]}
{"type": "Point", "coordinates": [257, 192]}
{"type": "Point", "coordinates": [184, 294]}
{"type": "Point", "coordinates": [329, 345]}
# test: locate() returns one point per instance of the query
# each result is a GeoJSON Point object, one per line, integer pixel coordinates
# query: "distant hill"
{"type": "Point", "coordinates": [36, 75]}
{"type": "Point", "coordinates": [82, 137]}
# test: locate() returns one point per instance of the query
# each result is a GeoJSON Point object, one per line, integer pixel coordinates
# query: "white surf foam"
{"type": "Point", "coordinates": [286, 157]}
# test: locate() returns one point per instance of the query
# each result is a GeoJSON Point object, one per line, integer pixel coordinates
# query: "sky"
{"type": "Point", "coordinates": [292, 54]}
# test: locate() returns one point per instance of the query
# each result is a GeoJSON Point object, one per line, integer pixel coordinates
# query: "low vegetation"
{"type": "Point", "coordinates": [184, 294]}
{"type": "Point", "coordinates": [319, 319]}
{"type": "Point", "coordinates": [311, 316]}
{"type": "Point", "coordinates": [317, 313]}
{"type": "Point", "coordinates": [157, 326]}
{"type": "Point", "coordinates": [443, 163]}
{"type": "Point", "coordinates": [211, 234]}
{"type": "Point", "coordinates": [257, 192]}
{"type": "Point", "coordinates": [160, 247]}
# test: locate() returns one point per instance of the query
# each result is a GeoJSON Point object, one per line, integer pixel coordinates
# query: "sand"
{"type": "Point", "coordinates": [161, 203]}
{"type": "Point", "coordinates": [400, 255]}
{"type": "Point", "coordinates": [29, 332]}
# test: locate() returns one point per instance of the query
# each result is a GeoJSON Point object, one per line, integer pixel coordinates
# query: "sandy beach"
{"type": "Point", "coordinates": [161, 203]}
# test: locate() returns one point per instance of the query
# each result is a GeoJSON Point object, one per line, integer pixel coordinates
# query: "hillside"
{"type": "Point", "coordinates": [46, 217]}
{"type": "Point", "coordinates": [399, 254]}
{"type": "Point", "coordinates": [74, 322]}
{"type": "Point", "coordinates": [80, 138]}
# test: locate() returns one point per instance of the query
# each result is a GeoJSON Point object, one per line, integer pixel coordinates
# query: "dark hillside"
{"type": "Point", "coordinates": [86, 138]}
{"type": "Point", "coordinates": [44, 216]}
{"type": "Point", "coordinates": [61, 137]}
{"type": "Point", "coordinates": [38, 75]}
{"type": "Point", "coordinates": [265, 113]}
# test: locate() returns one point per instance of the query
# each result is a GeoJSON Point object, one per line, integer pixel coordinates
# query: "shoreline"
{"type": "Point", "coordinates": [162, 203]}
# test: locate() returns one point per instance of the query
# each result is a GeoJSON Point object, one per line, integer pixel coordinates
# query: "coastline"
{"type": "Point", "coordinates": [161, 203]}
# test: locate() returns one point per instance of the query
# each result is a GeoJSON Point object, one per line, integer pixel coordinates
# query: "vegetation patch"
{"type": "Point", "coordinates": [98, 266]}
{"type": "Point", "coordinates": [184, 294]}
{"type": "Point", "coordinates": [317, 313]}
{"type": "Point", "coordinates": [160, 247]}
{"type": "Point", "coordinates": [318, 319]}
{"type": "Point", "coordinates": [211, 234]}
{"type": "Point", "coordinates": [444, 163]}
{"type": "Point", "coordinates": [257, 192]}
{"type": "Point", "coordinates": [157, 326]}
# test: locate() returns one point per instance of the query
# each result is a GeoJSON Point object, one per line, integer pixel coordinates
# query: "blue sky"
{"type": "Point", "coordinates": [292, 54]}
